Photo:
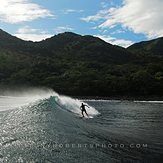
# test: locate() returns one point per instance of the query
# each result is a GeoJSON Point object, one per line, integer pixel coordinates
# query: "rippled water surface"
{"type": "Point", "coordinates": [51, 130]}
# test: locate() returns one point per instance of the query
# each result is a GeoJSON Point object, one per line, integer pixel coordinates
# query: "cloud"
{"type": "Point", "coordinates": [62, 29]}
{"type": "Point", "coordinates": [16, 11]}
{"type": "Point", "coordinates": [139, 16]}
{"type": "Point", "coordinates": [67, 11]}
{"type": "Point", "coordinates": [104, 4]}
{"type": "Point", "coordinates": [101, 15]}
{"type": "Point", "coordinates": [118, 31]}
{"type": "Point", "coordinates": [32, 34]}
{"type": "Point", "coordinates": [115, 41]}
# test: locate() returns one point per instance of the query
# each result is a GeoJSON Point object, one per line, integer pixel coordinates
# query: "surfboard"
{"type": "Point", "coordinates": [86, 117]}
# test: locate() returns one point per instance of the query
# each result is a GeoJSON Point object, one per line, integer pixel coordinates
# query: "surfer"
{"type": "Point", "coordinates": [82, 108]}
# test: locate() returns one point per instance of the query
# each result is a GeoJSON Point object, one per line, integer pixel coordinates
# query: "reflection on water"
{"type": "Point", "coordinates": [123, 132]}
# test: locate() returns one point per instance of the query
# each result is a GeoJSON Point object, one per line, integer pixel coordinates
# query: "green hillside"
{"type": "Point", "coordinates": [152, 47]}
{"type": "Point", "coordinates": [79, 65]}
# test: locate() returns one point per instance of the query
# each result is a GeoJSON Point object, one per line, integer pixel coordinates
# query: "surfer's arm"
{"type": "Point", "coordinates": [87, 106]}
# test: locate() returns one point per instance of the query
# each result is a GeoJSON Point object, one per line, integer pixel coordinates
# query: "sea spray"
{"type": "Point", "coordinates": [11, 99]}
{"type": "Point", "coordinates": [18, 98]}
{"type": "Point", "coordinates": [73, 105]}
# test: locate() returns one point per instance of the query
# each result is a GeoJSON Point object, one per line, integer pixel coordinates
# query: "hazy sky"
{"type": "Point", "coordinates": [120, 22]}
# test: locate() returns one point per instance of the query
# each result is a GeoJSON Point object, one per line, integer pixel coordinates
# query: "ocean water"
{"type": "Point", "coordinates": [48, 128]}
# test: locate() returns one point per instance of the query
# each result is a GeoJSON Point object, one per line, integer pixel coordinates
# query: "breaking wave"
{"type": "Point", "coordinates": [15, 100]}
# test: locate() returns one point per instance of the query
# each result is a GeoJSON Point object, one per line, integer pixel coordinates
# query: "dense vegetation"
{"type": "Point", "coordinates": [152, 47]}
{"type": "Point", "coordinates": [81, 66]}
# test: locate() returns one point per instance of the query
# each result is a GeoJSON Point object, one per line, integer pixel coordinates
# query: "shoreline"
{"type": "Point", "coordinates": [120, 98]}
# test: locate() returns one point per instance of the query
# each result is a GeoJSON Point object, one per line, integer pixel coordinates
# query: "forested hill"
{"type": "Point", "coordinates": [79, 65]}
{"type": "Point", "coordinates": [152, 47]}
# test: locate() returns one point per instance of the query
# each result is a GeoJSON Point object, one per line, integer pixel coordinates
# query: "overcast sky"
{"type": "Point", "coordinates": [120, 22]}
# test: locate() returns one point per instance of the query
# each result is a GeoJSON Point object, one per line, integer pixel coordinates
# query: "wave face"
{"type": "Point", "coordinates": [15, 100]}
{"type": "Point", "coordinates": [31, 132]}
{"type": "Point", "coordinates": [73, 105]}
{"type": "Point", "coordinates": [46, 126]}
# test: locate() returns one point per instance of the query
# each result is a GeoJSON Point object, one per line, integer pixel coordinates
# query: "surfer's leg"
{"type": "Point", "coordinates": [82, 113]}
{"type": "Point", "coordinates": [86, 113]}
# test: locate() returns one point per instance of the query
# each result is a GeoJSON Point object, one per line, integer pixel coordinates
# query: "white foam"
{"type": "Point", "coordinates": [73, 105]}
{"type": "Point", "coordinates": [18, 99]}
{"type": "Point", "coordinates": [160, 102]}
{"type": "Point", "coordinates": [101, 100]}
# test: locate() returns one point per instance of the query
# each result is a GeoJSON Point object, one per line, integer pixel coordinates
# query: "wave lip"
{"type": "Point", "coordinates": [73, 105]}
{"type": "Point", "coordinates": [19, 99]}
{"type": "Point", "coordinates": [15, 99]}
